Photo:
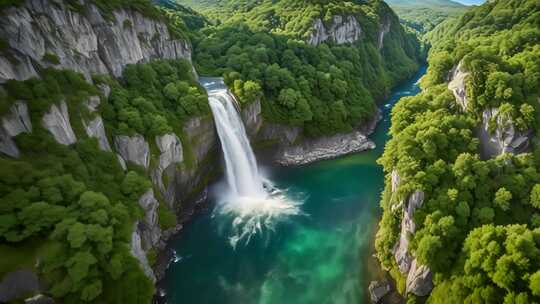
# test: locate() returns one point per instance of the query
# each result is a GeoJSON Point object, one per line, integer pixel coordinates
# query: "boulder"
{"type": "Point", "coordinates": [419, 280]}
{"type": "Point", "coordinates": [377, 290]}
{"type": "Point", "coordinates": [96, 129]}
{"type": "Point", "coordinates": [56, 120]}
{"type": "Point", "coordinates": [343, 29]}
{"type": "Point", "coordinates": [133, 148]}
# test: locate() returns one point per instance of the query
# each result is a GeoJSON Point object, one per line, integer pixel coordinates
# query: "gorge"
{"type": "Point", "coordinates": [272, 151]}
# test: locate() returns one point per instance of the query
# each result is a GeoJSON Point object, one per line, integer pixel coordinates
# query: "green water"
{"type": "Point", "coordinates": [317, 257]}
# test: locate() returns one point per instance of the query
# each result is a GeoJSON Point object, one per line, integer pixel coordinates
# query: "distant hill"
{"type": "Point", "coordinates": [424, 15]}
{"type": "Point", "coordinates": [426, 3]}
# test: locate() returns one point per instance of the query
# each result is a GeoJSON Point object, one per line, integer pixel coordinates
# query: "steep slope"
{"type": "Point", "coordinates": [318, 67]}
{"type": "Point", "coordinates": [104, 135]}
{"type": "Point", "coordinates": [461, 202]}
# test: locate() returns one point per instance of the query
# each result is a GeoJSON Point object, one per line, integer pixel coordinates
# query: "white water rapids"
{"type": "Point", "coordinates": [252, 202]}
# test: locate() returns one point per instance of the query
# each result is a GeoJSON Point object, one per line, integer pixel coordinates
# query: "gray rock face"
{"type": "Point", "coordinates": [96, 129]}
{"type": "Point", "coordinates": [343, 29]}
{"type": "Point", "coordinates": [17, 121]}
{"type": "Point", "coordinates": [122, 162]}
{"type": "Point", "coordinates": [133, 148]}
{"type": "Point", "coordinates": [93, 103]}
{"type": "Point", "coordinates": [39, 299]}
{"type": "Point", "coordinates": [377, 290]}
{"type": "Point", "coordinates": [325, 147]}
{"type": "Point", "coordinates": [457, 78]}
{"type": "Point", "coordinates": [202, 135]}
{"type": "Point", "coordinates": [385, 29]}
{"type": "Point", "coordinates": [87, 43]}
{"type": "Point", "coordinates": [251, 115]}
{"type": "Point", "coordinates": [104, 89]}
{"type": "Point", "coordinates": [17, 284]}
{"type": "Point", "coordinates": [419, 280]}
{"type": "Point", "coordinates": [140, 254]}
{"type": "Point", "coordinates": [171, 150]}
{"type": "Point", "coordinates": [286, 135]}
{"type": "Point", "coordinates": [57, 122]}
{"type": "Point", "coordinates": [149, 229]}
{"type": "Point", "coordinates": [14, 123]}
{"type": "Point", "coordinates": [401, 251]}
{"type": "Point", "coordinates": [505, 138]}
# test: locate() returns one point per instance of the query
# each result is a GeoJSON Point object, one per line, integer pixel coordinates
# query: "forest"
{"type": "Point", "coordinates": [478, 229]}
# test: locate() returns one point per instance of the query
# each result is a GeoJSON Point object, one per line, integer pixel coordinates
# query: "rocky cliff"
{"type": "Point", "coordinates": [342, 29]}
{"type": "Point", "coordinates": [48, 33]}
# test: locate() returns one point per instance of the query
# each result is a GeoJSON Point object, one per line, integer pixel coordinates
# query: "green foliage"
{"type": "Point", "coordinates": [51, 58]}
{"type": "Point", "coordinates": [477, 229]}
{"type": "Point", "coordinates": [156, 98]}
{"type": "Point", "coordinates": [167, 218]}
{"type": "Point", "coordinates": [325, 89]}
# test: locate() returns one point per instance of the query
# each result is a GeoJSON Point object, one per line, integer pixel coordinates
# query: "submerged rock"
{"type": "Point", "coordinates": [377, 290]}
{"type": "Point", "coordinates": [342, 29]}
{"type": "Point", "coordinates": [57, 122]}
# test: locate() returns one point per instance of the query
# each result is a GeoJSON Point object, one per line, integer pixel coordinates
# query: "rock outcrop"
{"type": "Point", "coordinates": [202, 135]}
{"type": "Point", "coordinates": [17, 284]}
{"type": "Point", "coordinates": [93, 103]}
{"type": "Point", "coordinates": [419, 277]}
{"type": "Point", "coordinates": [377, 290]}
{"type": "Point", "coordinates": [39, 299]}
{"type": "Point", "coordinates": [57, 122]}
{"type": "Point", "coordinates": [171, 153]}
{"type": "Point", "coordinates": [47, 33]}
{"type": "Point", "coordinates": [138, 252]}
{"type": "Point", "coordinates": [149, 229]}
{"type": "Point", "coordinates": [134, 149]}
{"type": "Point", "coordinates": [457, 84]}
{"type": "Point", "coordinates": [251, 115]}
{"type": "Point", "coordinates": [14, 123]}
{"type": "Point", "coordinates": [96, 129]}
{"type": "Point", "coordinates": [285, 135]}
{"type": "Point", "coordinates": [419, 280]}
{"type": "Point", "coordinates": [385, 29]}
{"type": "Point", "coordinates": [499, 135]}
{"type": "Point", "coordinates": [342, 29]}
{"type": "Point", "coordinates": [327, 147]}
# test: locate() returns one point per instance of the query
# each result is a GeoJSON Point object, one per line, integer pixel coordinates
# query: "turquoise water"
{"type": "Point", "coordinates": [317, 257]}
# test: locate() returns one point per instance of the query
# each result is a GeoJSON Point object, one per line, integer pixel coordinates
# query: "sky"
{"type": "Point", "coordinates": [470, 2]}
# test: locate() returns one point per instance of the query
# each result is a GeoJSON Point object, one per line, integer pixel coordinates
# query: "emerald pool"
{"type": "Point", "coordinates": [317, 257]}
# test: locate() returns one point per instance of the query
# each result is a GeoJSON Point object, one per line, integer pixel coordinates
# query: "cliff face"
{"type": "Point", "coordinates": [342, 29]}
{"type": "Point", "coordinates": [46, 33]}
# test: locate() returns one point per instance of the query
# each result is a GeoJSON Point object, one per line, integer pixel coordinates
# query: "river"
{"type": "Point", "coordinates": [316, 257]}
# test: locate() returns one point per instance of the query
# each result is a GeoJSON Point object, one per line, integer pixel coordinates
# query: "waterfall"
{"type": "Point", "coordinates": [252, 203]}
{"type": "Point", "coordinates": [240, 164]}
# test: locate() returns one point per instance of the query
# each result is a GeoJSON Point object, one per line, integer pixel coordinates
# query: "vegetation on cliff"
{"type": "Point", "coordinates": [478, 229]}
{"type": "Point", "coordinates": [328, 88]}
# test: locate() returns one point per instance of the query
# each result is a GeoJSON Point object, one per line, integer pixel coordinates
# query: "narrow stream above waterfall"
{"type": "Point", "coordinates": [313, 256]}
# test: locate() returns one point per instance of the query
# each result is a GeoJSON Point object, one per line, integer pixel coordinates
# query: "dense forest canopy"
{"type": "Point", "coordinates": [478, 229]}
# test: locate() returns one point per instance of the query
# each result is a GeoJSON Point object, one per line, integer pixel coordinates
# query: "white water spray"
{"type": "Point", "coordinates": [254, 204]}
